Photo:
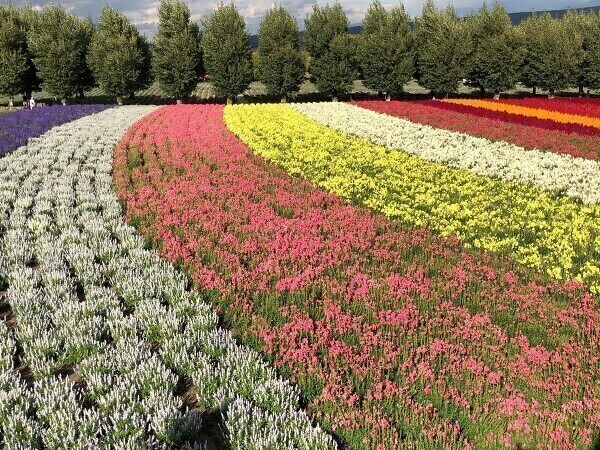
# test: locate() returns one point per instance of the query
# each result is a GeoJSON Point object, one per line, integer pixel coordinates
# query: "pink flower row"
{"type": "Point", "coordinates": [393, 334]}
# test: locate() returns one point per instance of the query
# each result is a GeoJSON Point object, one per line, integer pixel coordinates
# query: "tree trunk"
{"type": "Point", "coordinates": [482, 91]}
{"type": "Point", "coordinates": [334, 99]}
{"type": "Point", "coordinates": [229, 101]}
{"type": "Point", "coordinates": [131, 95]}
{"type": "Point", "coordinates": [446, 95]}
{"type": "Point", "coordinates": [534, 90]}
{"type": "Point", "coordinates": [283, 99]}
{"type": "Point", "coordinates": [551, 93]}
{"type": "Point", "coordinates": [496, 95]}
{"type": "Point", "coordinates": [11, 102]}
{"type": "Point", "coordinates": [81, 94]}
{"type": "Point", "coordinates": [580, 90]}
{"type": "Point", "coordinates": [388, 97]}
{"type": "Point", "coordinates": [120, 101]}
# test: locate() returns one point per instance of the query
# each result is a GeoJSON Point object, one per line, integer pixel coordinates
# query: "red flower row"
{"type": "Point", "coordinates": [492, 125]}
{"type": "Point", "coordinates": [581, 107]}
{"type": "Point", "coordinates": [393, 334]}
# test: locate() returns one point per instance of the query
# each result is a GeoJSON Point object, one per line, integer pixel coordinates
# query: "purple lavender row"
{"type": "Point", "coordinates": [18, 127]}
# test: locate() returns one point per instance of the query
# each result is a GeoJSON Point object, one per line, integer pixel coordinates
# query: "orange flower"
{"type": "Point", "coordinates": [529, 112]}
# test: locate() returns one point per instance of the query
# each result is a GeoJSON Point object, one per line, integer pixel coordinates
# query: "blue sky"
{"type": "Point", "coordinates": [144, 12]}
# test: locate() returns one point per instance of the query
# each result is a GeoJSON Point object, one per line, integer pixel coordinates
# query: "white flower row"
{"type": "Point", "coordinates": [563, 174]}
{"type": "Point", "coordinates": [106, 327]}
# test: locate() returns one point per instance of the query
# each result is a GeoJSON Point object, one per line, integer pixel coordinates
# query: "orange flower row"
{"type": "Point", "coordinates": [529, 112]}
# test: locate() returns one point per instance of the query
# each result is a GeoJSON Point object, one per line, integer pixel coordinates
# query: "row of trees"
{"type": "Point", "coordinates": [68, 55]}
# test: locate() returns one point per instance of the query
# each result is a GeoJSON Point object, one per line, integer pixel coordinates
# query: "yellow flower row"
{"type": "Point", "coordinates": [540, 230]}
{"type": "Point", "coordinates": [529, 112]}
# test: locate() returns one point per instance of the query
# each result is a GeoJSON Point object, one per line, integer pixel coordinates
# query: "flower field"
{"type": "Point", "coordinates": [589, 107]}
{"type": "Point", "coordinates": [534, 110]}
{"type": "Point", "coordinates": [18, 127]}
{"type": "Point", "coordinates": [103, 344]}
{"type": "Point", "coordinates": [543, 135]}
{"type": "Point", "coordinates": [444, 297]}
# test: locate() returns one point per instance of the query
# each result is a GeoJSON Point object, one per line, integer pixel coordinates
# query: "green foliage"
{"type": "Point", "coordinates": [255, 65]}
{"type": "Point", "coordinates": [227, 55]}
{"type": "Point", "coordinates": [17, 71]}
{"type": "Point", "coordinates": [29, 18]}
{"type": "Point", "coordinates": [306, 61]}
{"type": "Point", "coordinates": [115, 55]}
{"type": "Point", "coordinates": [335, 70]}
{"type": "Point", "coordinates": [333, 52]}
{"type": "Point", "coordinates": [577, 24]}
{"type": "Point", "coordinates": [553, 53]}
{"type": "Point", "coordinates": [498, 51]}
{"type": "Point", "coordinates": [281, 68]}
{"type": "Point", "coordinates": [592, 52]}
{"type": "Point", "coordinates": [322, 26]}
{"type": "Point", "coordinates": [59, 42]}
{"type": "Point", "coordinates": [176, 56]}
{"type": "Point", "coordinates": [385, 49]}
{"type": "Point", "coordinates": [443, 48]}
{"type": "Point", "coordinates": [13, 51]}
{"type": "Point", "coordinates": [145, 78]}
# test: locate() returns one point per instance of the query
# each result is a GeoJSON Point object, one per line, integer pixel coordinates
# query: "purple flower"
{"type": "Point", "coordinates": [18, 127]}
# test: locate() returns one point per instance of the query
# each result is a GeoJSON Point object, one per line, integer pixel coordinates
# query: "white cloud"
{"type": "Point", "coordinates": [144, 13]}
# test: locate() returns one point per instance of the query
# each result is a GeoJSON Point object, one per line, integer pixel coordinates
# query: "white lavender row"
{"type": "Point", "coordinates": [107, 328]}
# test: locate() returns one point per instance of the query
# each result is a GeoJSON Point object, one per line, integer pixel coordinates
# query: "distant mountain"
{"type": "Point", "coordinates": [515, 18]}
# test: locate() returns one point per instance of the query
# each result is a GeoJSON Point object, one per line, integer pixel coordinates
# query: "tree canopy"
{"type": "Point", "coordinates": [280, 66]}
{"type": "Point", "coordinates": [227, 55]}
{"type": "Point", "coordinates": [116, 56]}
{"type": "Point", "coordinates": [59, 42]}
{"type": "Point", "coordinates": [443, 48]}
{"type": "Point", "coordinates": [176, 56]}
{"type": "Point", "coordinates": [333, 52]}
{"type": "Point", "coordinates": [386, 49]}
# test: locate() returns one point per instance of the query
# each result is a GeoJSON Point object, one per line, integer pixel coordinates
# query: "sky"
{"type": "Point", "coordinates": [144, 13]}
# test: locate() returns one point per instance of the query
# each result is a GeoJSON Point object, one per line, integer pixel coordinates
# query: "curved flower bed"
{"type": "Point", "coordinates": [396, 337]}
{"type": "Point", "coordinates": [574, 177]}
{"type": "Point", "coordinates": [538, 113]}
{"type": "Point", "coordinates": [542, 231]}
{"type": "Point", "coordinates": [20, 126]}
{"type": "Point", "coordinates": [487, 125]}
{"type": "Point", "coordinates": [581, 107]}
{"type": "Point", "coordinates": [112, 348]}
{"type": "Point", "coordinates": [544, 124]}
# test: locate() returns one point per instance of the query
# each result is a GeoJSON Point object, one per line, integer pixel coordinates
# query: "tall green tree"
{"type": "Point", "coordinates": [146, 76]}
{"type": "Point", "coordinates": [59, 42]}
{"type": "Point", "coordinates": [592, 52]}
{"type": "Point", "coordinates": [29, 19]}
{"type": "Point", "coordinates": [335, 71]}
{"type": "Point", "coordinates": [176, 55]}
{"type": "Point", "coordinates": [386, 49]}
{"type": "Point", "coordinates": [332, 51]}
{"type": "Point", "coordinates": [280, 66]}
{"type": "Point", "coordinates": [13, 53]}
{"type": "Point", "coordinates": [115, 56]}
{"type": "Point", "coordinates": [553, 54]}
{"type": "Point", "coordinates": [577, 24]}
{"type": "Point", "coordinates": [442, 49]}
{"type": "Point", "coordinates": [497, 50]}
{"type": "Point", "coordinates": [227, 55]}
